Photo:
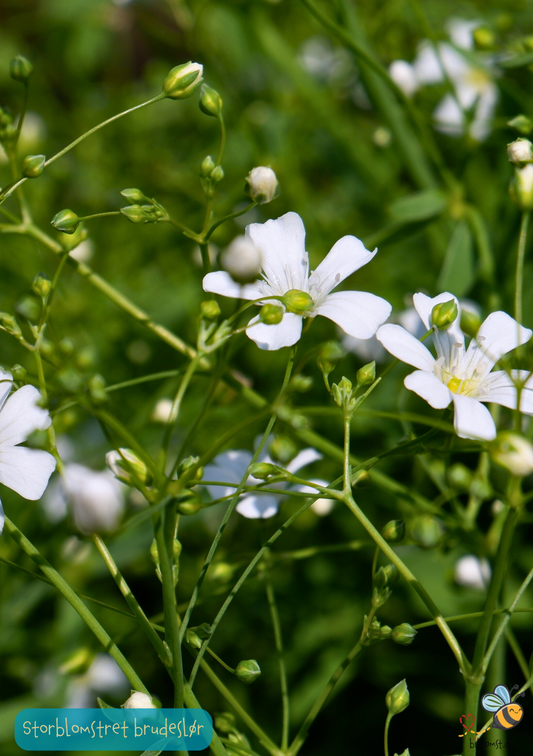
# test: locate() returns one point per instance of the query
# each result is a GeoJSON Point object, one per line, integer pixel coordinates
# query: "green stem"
{"type": "Point", "coordinates": [519, 276]}
{"type": "Point", "coordinates": [222, 139]}
{"type": "Point", "coordinates": [386, 734]}
{"type": "Point", "coordinates": [276, 625]}
{"type": "Point", "coordinates": [229, 217]}
{"type": "Point", "coordinates": [73, 599]}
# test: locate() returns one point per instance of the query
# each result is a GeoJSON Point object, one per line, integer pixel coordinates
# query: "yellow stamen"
{"type": "Point", "coordinates": [454, 384]}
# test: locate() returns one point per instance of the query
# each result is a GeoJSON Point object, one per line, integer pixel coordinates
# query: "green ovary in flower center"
{"type": "Point", "coordinates": [297, 301]}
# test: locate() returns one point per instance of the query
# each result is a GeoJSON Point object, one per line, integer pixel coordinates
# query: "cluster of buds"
{"type": "Point", "coordinates": [344, 395]}
{"type": "Point", "coordinates": [520, 154]}
{"type": "Point", "coordinates": [150, 211]}
{"type": "Point", "coordinates": [210, 176]}
{"type": "Point", "coordinates": [194, 636]}
{"type": "Point", "coordinates": [376, 632]}
{"type": "Point", "coordinates": [128, 468]}
{"type": "Point", "coordinates": [382, 583]}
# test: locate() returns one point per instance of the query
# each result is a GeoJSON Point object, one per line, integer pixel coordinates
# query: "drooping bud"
{"type": "Point", "coordinates": [41, 285]}
{"type": "Point", "coordinates": [248, 671]}
{"type": "Point", "coordinates": [33, 165]}
{"type": "Point", "coordinates": [134, 196]}
{"type": "Point", "coordinates": [242, 260]}
{"type": "Point", "coordinates": [520, 152]}
{"type": "Point", "coordinates": [66, 221]}
{"type": "Point", "coordinates": [297, 301]}
{"type": "Point", "coordinates": [127, 467]}
{"type": "Point", "coordinates": [366, 375]}
{"type": "Point", "coordinates": [139, 700]}
{"type": "Point", "coordinates": [210, 101]}
{"type": "Point", "coordinates": [397, 699]}
{"type": "Point", "coordinates": [394, 531]}
{"type": "Point", "coordinates": [20, 69]}
{"type": "Point", "coordinates": [262, 184]}
{"type": "Point", "coordinates": [403, 634]}
{"type": "Point", "coordinates": [521, 187]}
{"type": "Point", "coordinates": [426, 531]}
{"type": "Point", "coordinates": [181, 81]}
{"type": "Point", "coordinates": [444, 314]}
{"type": "Point", "coordinates": [210, 310]}
{"type": "Point", "coordinates": [271, 314]}
{"type": "Point", "coordinates": [514, 452]}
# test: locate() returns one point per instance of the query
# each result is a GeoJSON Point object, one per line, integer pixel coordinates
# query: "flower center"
{"type": "Point", "coordinates": [465, 386]}
{"type": "Point", "coordinates": [454, 384]}
{"type": "Point", "coordinates": [297, 301]}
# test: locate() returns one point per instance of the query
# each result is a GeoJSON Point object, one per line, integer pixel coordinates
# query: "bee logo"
{"type": "Point", "coordinates": [507, 713]}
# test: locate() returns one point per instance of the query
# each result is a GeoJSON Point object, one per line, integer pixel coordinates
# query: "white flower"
{"type": "Point", "coordinates": [472, 572]}
{"type": "Point", "coordinates": [230, 468]}
{"type": "Point", "coordinates": [95, 498]}
{"type": "Point", "coordinates": [241, 259]}
{"type": "Point", "coordinates": [263, 184]}
{"type": "Point", "coordinates": [138, 700]}
{"type": "Point", "coordinates": [404, 76]}
{"type": "Point", "coordinates": [24, 470]}
{"type": "Point", "coordinates": [286, 275]}
{"type": "Point", "coordinates": [103, 676]}
{"type": "Point", "coordinates": [459, 375]}
{"type": "Point", "coordinates": [161, 411]}
{"type": "Point", "coordinates": [514, 452]}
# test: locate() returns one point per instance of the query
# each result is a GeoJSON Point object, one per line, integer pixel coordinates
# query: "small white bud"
{"type": "Point", "coordinates": [521, 188]}
{"type": "Point", "coordinates": [520, 151]}
{"type": "Point", "coordinates": [472, 572]}
{"type": "Point", "coordinates": [161, 411]}
{"type": "Point", "coordinates": [126, 466]}
{"type": "Point", "coordinates": [514, 452]}
{"type": "Point", "coordinates": [404, 76]}
{"type": "Point", "coordinates": [139, 701]}
{"type": "Point", "coordinates": [242, 259]}
{"type": "Point", "coordinates": [263, 185]}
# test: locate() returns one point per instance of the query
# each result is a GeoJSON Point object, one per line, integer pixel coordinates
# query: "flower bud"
{"type": "Point", "coordinates": [403, 634]}
{"type": "Point", "coordinates": [301, 383]}
{"type": "Point", "coordinates": [263, 470]}
{"type": "Point", "coordinates": [460, 476]}
{"type": "Point", "coordinates": [520, 152]}
{"type": "Point", "coordinates": [514, 452]}
{"type": "Point", "coordinates": [444, 314]}
{"type": "Point", "coordinates": [521, 187]}
{"type": "Point", "coordinates": [192, 639]}
{"type": "Point", "coordinates": [66, 221]}
{"type": "Point", "coordinates": [385, 576]}
{"type": "Point", "coordinates": [134, 196]}
{"type": "Point", "coordinates": [283, 449]}
{"type": "Point", "coordinates": [377, 632]}
{"type": "Point", "coordinates": [426, 531]}
{"type": "Point", "coordinates": [210, 101]}
{"type": "Point", "coordinates": [297, 301]}
{"type": "Point", "coordinates": [405, 753]}
{"type": "Point", "coordinates": [366, 375]}
{"type": "Point", "coordinates": [217, 174]}
{"type": "Point", "coordinates": [186, 464]}
{"type": "Point", "coordinates": [189, 503]}
{"type": "Point", "coordinates": [181, 81]}
{"type": "Point", "coordinates": [127, 467]}
{"type": "Point", "coordinates": [96, 387]}
{"type": "Point", "coordinates": [521, 123]}
{"type": "Point", "coordinates": [20, 69]}
{"type": "Point", "coordinates": [9, 323]}
{"type": "Point", "coordinates": [139, 700]}
{"type": "Point", "coordinates": [271, 314]}
{"type": "Point", "coordinates": [397, 699]}
{"type": "Point", "coordinates": [263, 185]}
{"type": "Point", "coordinates": [242, 260]}
{"type": "Point", "coordinates": [208, 165]}
{"type": "Point", "coordinates": [394, 531]}
{"type": "Point", "coordinates": [139, 213]}
{"type": "Point", "coordinates": [41, 285]}
{"type": "Point", "coordinates": [343, 394]}
{"type": "Point", "coordinates": [248, 671]}
{"type": "Point", "coordinates": [224, 722]}
{"type": "Point", "coordinates": [470, 321]}
{"type": "Point", "coordinates": [33, 165]}
{"type": "Point", "coordinates": [210, 310]}
{"type": "Point", "coordinates": [18, 372]}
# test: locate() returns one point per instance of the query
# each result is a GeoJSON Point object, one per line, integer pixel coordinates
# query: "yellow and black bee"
{"type": "Point", "coordinates": [507, 713]}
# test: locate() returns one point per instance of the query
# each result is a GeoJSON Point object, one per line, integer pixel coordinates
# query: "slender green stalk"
{"type": "Point", "coordinates": [229, 217]}
{"type": "Point", "coordinates": [74, 600]}
{"type": "Point", "coordinates": [519, 275]}
{"type": "Point", "coordinates": [278, 638]}
{"type": "Point", "coordinates": [386, 734]}
{"type": "Point", "coordinates": [222, 139]}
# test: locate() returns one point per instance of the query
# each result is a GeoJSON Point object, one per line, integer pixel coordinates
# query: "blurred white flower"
{"type": "Point", "coordinates": [84, 251]}
{"type": "Point", "coordinates": [161, 411]}
{"type": "Point", "coordinates": [286, 275]}
{"type": "Point", "coordinates": [472, 572]}
{"type": "Point", "coordinates": [103, 676]}
{"type": "Point", "coordinates": [24, 470]}
{"type": "Point", "coordinates": [404, 76]}
{"type": "Point", "coordinates": [138, 700]}
{"type": "Point", "coordinates": [95, 498]}
{"type": "Point", "coordinates": [241, 259]}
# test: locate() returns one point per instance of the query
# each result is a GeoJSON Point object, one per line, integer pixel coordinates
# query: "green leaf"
{"type": "Point", "coordinates": [517, 61]}
{"type": "Point", "coordinates": [458, 271]}
{"type": "Point", "coordinates": [418, 206]}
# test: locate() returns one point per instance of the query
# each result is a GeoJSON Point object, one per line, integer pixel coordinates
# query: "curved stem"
{"type": "Point", "coordinates": [519, 275]}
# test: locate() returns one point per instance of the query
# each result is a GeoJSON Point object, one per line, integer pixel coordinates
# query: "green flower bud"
{"type": "Point", "coordinates": [41, 285]}
{"type": "Point", "coordinates": [217, 174]}
{"type": "Point", "coordinates": [96, 388]}
{"type": "Point", "coordinates": [208, 164]}
{"type": "Point", "coordinates": [186, 464]}
{"type": "Point", "coordinates": [189, 503]}
{"type": "Point", "coordinates": [397, 699]}
{"type": "Point", "coordinates": [521, 187]}
{"type": "Point", "coordinates": [262, 184]}
{"type": "Point", "coordinates": [224, 722]}
{"type": "Point", "coordinates": [385, 576]}
{"type": "Point", "coordinates": [127, 467]}
{"type": "Point", "coordinates": [470, 322]}
{"type": "Point", "coordinates": [460, 477]}
{"type": "Point", "coordinates": [520, 152]}
{"type": "Point", "coordinates": [139, 213]}
{"type": "Point", "coordinates": [301, 383]}
{"type": "Point", "coordinates": [513, 452]}
{"type": "Point", "coordinates": [181, 81]}
{"type": "Point", "coordinates": [18, 372]}
{"type": "Point", "coordinates": [134, 196]}
{"type": "Point", "coordinates": [66, 346]}
{"type": "Point", "coordinates": [263, 470]}
{"type": "Point", "coordinates": [192, 639]}
{"type": "Point", "coordinates": [403, 634]}
{"type": "Point", "coordinates": [283, 449]}
{"type": "Point", "coordinates": [248, 671]}
{"type": "Point", "coordinates": [426, 531]}
{"type": "Point", "coordinates": [394, 531]}
{"type": "Point", "coordinates": [33, 165]}
{"type": "Point", "coordinates": [405, 753]}
{"type": "Point", "coordinates": [366, 375]}
{"type": "Point", "coordinates": [297, 301]}
{"type": "Point", "coordinates": [20, 69]}
{"type": "Point", "coordinates": [521, 123]}
{"type": "Point", "coordinates": [66, 221]}
{"type": "Point", "coordinates": [29, 308]}
{"type": "Point", "coordinates": [271, 314]}
{"type": "Point", "coordinates": [444, 314]}
{"type": "Point", "coordinates": [343, 394]}
{"type": "Point", "coordinates": [9, 323]}
{"type": "Point", "coordinates": [484, 38]}
{"type": "Point", "coordinates": [210, 101]}
{"type": "Point", "coordinates": [210, 310]}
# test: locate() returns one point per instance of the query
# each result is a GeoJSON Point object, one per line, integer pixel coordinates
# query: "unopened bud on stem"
{"type": "Point", "coordinates": [444, 314]}
{"type": "Point", "coordinates": [182, 81]}
{"type": "Point", "coordinates": [397, 699]}
{"type": "Point", "coordinates": [262, 184]}
{"type": "Point", "coordinates": [20, 69]}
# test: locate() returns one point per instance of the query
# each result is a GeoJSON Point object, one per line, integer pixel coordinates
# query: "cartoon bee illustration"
{"type": "Point", "coordinates": [508, 714]}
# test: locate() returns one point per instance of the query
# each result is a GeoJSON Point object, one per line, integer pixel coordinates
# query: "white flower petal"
{"type": "Point", "coordinates": [345, 257]}
{"type": "Point", "coordinates": [403, 345]}
{"type": "Point", "coordinates": [428, 386]}
{"type": "Point", "coordinates": [26, 471]}
{"type": "Point", "coordinates": [6, 381]}
{"type": "Point", "coordinates": [258, 506]}
{"type": "Point", "coordinates": [272, 337]}
{"type": "Point", "coordinates": [2, 517]}
{"type": "Point", "coordinates": [222, 283]}
{"type": "Point", "coordinates": [448, 116]}
{"type": "Point", "coordinates": [303, 458]}
{"type": "Point", "coordinates": [448, 341]}
{"type": "Point", "coordinates": [502, 390]}
{"type": "Point", "coordinates": [20, 416]}
{"type": "Point", "coordinates": [497, 335]}
{"type": "Point", "coordinates": [358, 313]}
{"type": "Point", "coordinates": [427, 66]}
{"type": "Point", "coordinates": [282, 245]}
{"type": "Point", "coordinates": [228, 467]}
{"type": "Point", "coordinates": [472, 419]}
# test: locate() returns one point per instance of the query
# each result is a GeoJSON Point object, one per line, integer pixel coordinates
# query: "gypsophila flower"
{"type": "Point", "coordinates": [286, 276]}
{"type": "Point", "coordinates": [24, 470]}
{"type": "Point", "coordinates": [459, 375]}
{"type": "Point", "coordinates": [230, 468]}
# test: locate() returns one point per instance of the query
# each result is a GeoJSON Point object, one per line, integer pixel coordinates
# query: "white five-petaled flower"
{"type": "Point", "coordinates": [230, 467]}
{"type": "Point", "coordinates": [24, 470]}
{"type": "Point", "coordinates": [285, 265]}
{"type": "Point", "coordinates": [463, 375]}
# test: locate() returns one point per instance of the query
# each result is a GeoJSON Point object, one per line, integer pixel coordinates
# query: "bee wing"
{"type": "Point", "coordinates": [492, 702]}
{"type": "Point", "coordinates": [503, 692]}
